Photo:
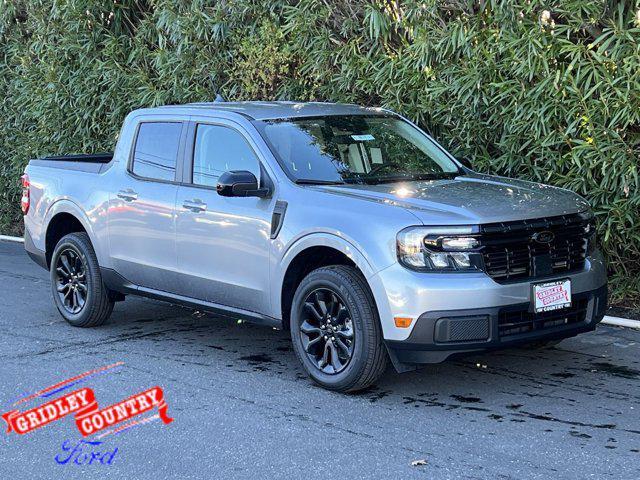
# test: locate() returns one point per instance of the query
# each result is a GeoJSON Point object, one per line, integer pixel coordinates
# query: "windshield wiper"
{"type": "Point", "coordinates": [311, 181]}
{"type": "Point", "coordinates": [412, 177]}
{"type": "Point", "coordinates": [359, 178]}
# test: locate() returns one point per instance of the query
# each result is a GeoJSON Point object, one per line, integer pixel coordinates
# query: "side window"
{"type": "Point", "coordinates": [221, 149]}
{"type": "Point", "coordinates": [156, 150]}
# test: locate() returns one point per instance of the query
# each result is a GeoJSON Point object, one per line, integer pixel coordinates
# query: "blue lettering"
{"type": "Point", "coordinates": [111, 455]}
{"type": "Point", "coordinates": [94, 456]}
{"type": "Point", "coordinates": [90, 455]}
{"type": "Point", "coordinates": [66, 446]}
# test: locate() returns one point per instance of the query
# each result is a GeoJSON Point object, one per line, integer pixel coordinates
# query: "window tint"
{"type": "Point", "coordinates": [221, 149]}
{"type": "Point", "coordinates": [156, 151]}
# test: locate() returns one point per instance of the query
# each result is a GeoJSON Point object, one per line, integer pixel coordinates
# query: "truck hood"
{"type": "Point", "coordinates": [469, 199]}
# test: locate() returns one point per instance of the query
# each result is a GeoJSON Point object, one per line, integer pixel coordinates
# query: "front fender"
{"type": "Point", "coordinates": [339, 243]}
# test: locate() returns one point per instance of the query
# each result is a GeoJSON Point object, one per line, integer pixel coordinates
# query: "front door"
{"type": "Point", "coordinates": [222, 242]}
{"type": "Point", "coordinates": [141, 216]}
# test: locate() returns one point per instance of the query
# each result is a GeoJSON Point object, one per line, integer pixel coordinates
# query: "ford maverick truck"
{"type": "Point", "coordinates": [347, 226]}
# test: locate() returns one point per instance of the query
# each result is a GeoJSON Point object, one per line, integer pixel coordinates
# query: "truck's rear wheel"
{"type": "Point", "coordinates": [335, 329]}
{"type": "Point", "coordinates": [76, 283]}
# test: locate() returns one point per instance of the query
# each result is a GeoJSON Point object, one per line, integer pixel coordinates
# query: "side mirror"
{"type": "Point", "coordinates": [240, 183]}
{"type": "Point", "coordinates": [466, 163]}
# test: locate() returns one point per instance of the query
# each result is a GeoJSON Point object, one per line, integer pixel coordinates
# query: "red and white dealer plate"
{"type": "Point", "coordinates": [552, 295]}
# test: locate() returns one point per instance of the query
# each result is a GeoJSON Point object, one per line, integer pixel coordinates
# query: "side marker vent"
{"type": "Point", "coordinates": [277, 218]}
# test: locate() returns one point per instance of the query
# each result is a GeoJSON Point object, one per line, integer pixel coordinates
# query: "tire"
{"type": "Point", "coordinates": [368, 358]}
{"type": "Point", "coordinates": [72, 256]}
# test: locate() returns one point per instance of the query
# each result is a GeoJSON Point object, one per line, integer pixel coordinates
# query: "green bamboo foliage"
{"type": "Point", "coordinates": [541, 90]}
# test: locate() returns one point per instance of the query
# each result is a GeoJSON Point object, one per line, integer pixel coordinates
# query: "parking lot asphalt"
{"type": "Point", "coordinates": [243, 408]}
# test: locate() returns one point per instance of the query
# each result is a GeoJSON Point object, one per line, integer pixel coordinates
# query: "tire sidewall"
{"type": "Point", "coordinates": [82, 317]}
{"type": "Point", "coordinates": [325, 279]}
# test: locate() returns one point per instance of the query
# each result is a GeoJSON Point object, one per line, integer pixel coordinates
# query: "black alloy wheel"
{"type": "Point", "coordinates": [327, 331]}
{"type": "Point", "coordinates": [335, 329]}
{"type": "Point", "coordinates": [71, 280]}
{"type": "Point", "coordinates": [78, 291]}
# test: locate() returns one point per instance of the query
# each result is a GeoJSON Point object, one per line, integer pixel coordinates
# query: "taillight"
{"type": "Point", "coordinates": [25, 201]}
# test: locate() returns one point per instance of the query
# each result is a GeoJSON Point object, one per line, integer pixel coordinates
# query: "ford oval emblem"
{"type": "Point", "coordinates": [543, 237]}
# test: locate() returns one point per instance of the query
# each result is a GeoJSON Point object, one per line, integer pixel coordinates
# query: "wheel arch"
{"type": "Point", "coordinates": [308, 253]}
{"type": "Point", "coordinates": [65, 217]}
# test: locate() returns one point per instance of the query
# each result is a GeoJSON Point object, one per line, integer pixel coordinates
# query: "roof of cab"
{"type": "Point", "coordinates": [277, 110]}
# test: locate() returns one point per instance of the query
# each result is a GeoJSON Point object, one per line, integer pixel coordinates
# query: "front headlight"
{"type": "Point", "coordinates": [439, 249]}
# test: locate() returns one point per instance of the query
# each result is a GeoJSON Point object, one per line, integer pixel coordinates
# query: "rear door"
{"type": "Point", "coordinates": [142, 213]}
{"type": "Point", "coordinates": [223, 243]}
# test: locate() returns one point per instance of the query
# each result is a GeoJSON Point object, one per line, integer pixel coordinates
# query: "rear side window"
{"type": "Point", "coordinates": [156, 152]}
{"type": "Point", "coordinates": [221, 149]}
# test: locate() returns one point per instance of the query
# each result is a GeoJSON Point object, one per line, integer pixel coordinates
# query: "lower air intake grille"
{"type": "Point", "coordinates": [516, 322]}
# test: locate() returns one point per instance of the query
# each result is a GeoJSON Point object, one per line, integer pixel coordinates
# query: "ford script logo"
{"type": "Point", "coordinates": [543, 237]}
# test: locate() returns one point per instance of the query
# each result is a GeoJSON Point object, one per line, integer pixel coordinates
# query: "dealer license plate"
{"type": "Point", "coordinates": [552, 295]}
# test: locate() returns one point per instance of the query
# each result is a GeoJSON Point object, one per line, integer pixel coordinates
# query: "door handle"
{"type": "Point", "coordinates": [195, 205]}
{"type": "Point", "coordinates": [128, 195]}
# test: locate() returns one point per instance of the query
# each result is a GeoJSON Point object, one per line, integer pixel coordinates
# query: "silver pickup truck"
{"type": "Point", "coordinates": [348, 226]}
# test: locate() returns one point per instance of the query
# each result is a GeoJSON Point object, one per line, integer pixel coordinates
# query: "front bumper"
{"type": "Point", "coordinates": [400, 292]}
{"type": "Point", "coordinates": [438, 335]}
{"type": "Point", "coordinates": [462, 313]}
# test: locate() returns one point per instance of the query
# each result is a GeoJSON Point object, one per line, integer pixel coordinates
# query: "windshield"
{"type": "Point", "coordinates": [355, 149]}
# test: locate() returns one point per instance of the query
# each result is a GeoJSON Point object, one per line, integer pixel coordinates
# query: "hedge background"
{"type": "Point", "coordinates": [542, 90]}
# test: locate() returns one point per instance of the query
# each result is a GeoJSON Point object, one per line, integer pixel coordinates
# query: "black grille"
{"type": "Point", "coordinates": [462, 329]}
{"type": "Point", "coordinates": [510, 251]}
{"type": "Point", "coordinates": [515, 322]}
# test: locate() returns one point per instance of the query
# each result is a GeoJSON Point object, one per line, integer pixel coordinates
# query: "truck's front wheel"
{"type": "Point", "coordinates": [76, 283]}
{"type": "Point", "coordinates": [336, 331]}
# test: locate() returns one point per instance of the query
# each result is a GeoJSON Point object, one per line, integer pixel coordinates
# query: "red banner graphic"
{"type": "Point", "coordinates": [35, 418]}
{"type": "Point", "coordinates": [89, 418]}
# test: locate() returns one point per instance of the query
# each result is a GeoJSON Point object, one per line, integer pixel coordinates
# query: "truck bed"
{"type": "Point", "coordinates": [91, 158]}
{"type": "Point", "coordinates": [92, 163]}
